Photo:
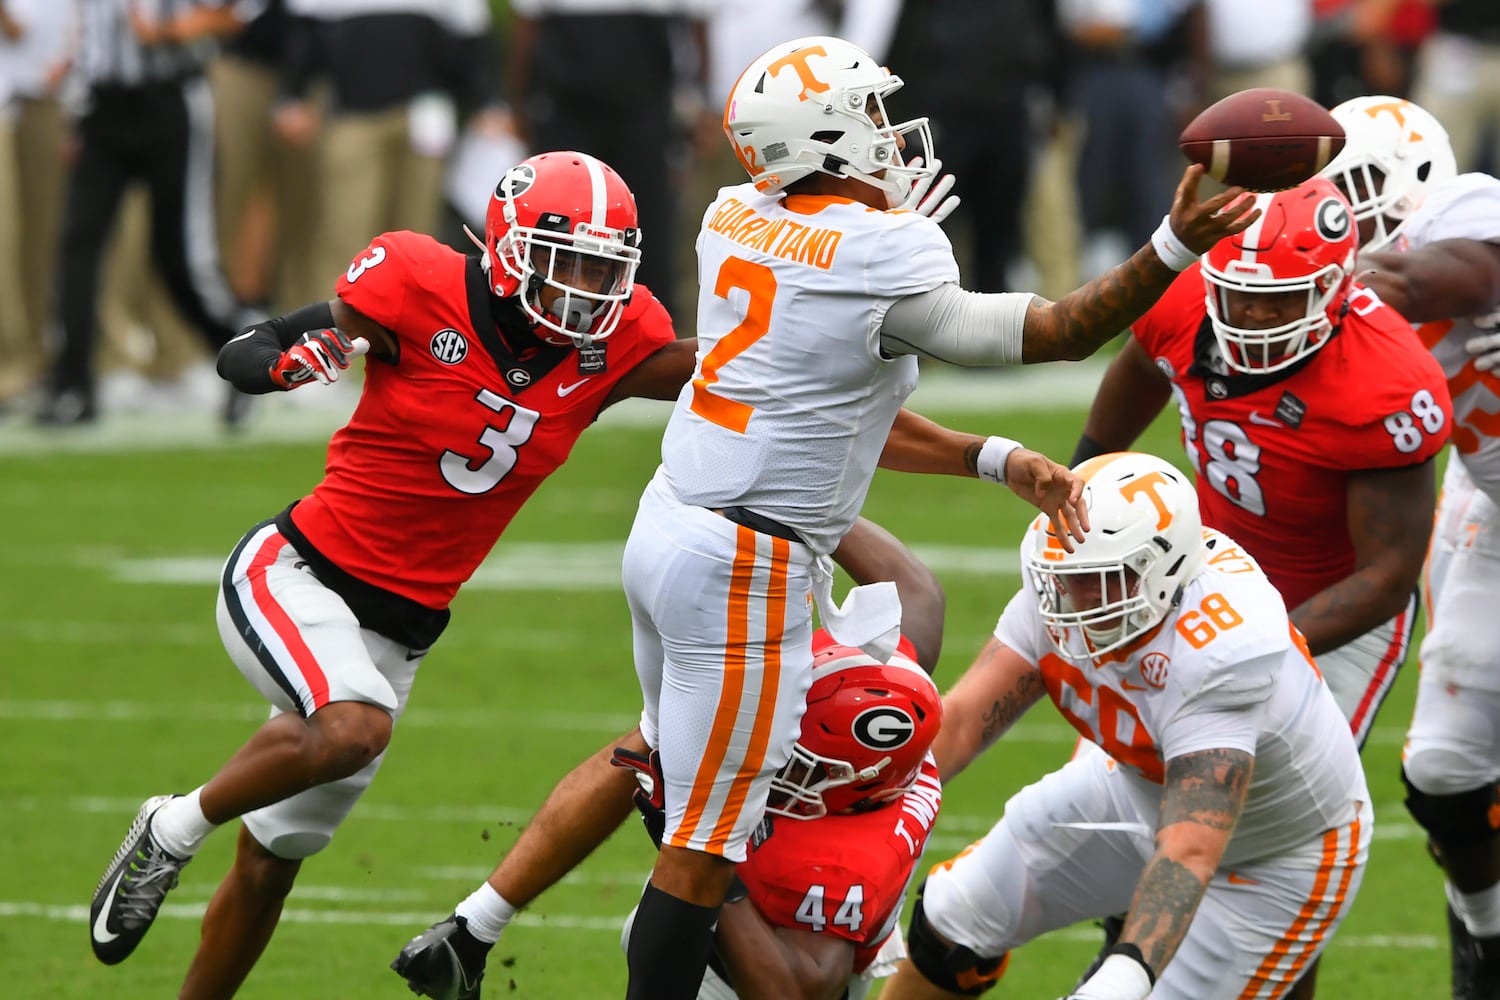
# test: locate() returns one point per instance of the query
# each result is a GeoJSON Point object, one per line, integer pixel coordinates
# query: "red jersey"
{"type": "Point", "coordinates": [1273, 453]}
{"type": "Point", "coordinates": [845, 874]}
{"type": "Point", "coordinates": [448, 443]}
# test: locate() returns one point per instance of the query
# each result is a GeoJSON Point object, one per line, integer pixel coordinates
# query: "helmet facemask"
{"type": "Point", "coordinates": [1100, 601]}
{"type": "Point", "coordinates": [592, 271]}
{"type": "Point", "coordinates": [1261, 350]}
{"type": "Point", "coordinates": [797, 789]}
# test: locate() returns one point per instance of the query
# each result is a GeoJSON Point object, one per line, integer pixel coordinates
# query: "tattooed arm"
{"type": "Point", "coordinates": [996, 690]}
{"type": "Point", "coordinates": [1390, 518]}
{"type": "Point", "coordinates": [1081, 322]}
{"type": "Point", "coordinates": [1200, 806]}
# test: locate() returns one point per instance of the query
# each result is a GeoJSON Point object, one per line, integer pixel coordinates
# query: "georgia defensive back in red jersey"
{"type": "Point", "coordinates": [1273, 453]}
{"type": "Point", "coordinates": [468, 422]}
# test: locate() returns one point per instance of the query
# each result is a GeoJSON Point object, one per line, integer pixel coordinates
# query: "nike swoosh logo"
{"type": "Point", "coordinates": [1256, 418]}
{"type": "Point", "coordinates": [1133, 687]}
{"type": "Point", "coordinates": [1235, 879]}
{"type": "Point", "coordinates": [101, 930]}
{"type": "Point", "coordinates": [563, 390]}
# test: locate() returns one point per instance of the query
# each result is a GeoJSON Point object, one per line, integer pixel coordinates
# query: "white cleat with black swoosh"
{"type": "Point", "coordinates": [131, 891]}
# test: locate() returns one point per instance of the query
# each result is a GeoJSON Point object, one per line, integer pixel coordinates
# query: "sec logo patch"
{"type": "Point", "coordinates": [449, 346]}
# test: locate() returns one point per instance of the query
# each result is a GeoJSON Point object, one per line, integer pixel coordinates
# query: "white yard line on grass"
{"type": "Point", "coordinates": [1391, 822]}
{"type": "Point", "coordinates": [576, 922]}
{"type": "Point", "coordinates": [314, 412]}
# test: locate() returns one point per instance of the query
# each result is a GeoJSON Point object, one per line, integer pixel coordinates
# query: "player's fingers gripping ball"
{"type": "Point", "coordinates": [651, 796]}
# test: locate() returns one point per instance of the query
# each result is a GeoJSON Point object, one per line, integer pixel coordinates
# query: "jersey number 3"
{"type": "Point", "coordinates": [512, 430]}
{"type": "Point", "coordinates": [759, 282]}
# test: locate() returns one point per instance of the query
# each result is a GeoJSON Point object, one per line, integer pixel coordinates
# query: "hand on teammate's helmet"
{"type": "Point", "coordinates": [929, 198]}
{"type": "Point", "coordinates": [651, 796]}
{"type": "Point", "coordinates": [1054, 489]}
{"type": "Point", "coordinates": [320, 355]}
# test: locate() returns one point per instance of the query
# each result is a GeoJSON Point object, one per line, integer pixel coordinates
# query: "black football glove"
{"type": "Point", "coordinates": [651, 796]}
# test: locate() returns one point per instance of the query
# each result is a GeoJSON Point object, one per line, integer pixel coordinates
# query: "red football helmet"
{"type": "Point", "coordinates": [1304, 241]}
{"type": "Point", "coordinates": [564, 222]}
{"type": "Point", "coordinates": [867, 729]}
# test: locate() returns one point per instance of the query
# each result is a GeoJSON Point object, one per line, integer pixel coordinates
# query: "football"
{"type": "Point", "coordinates": [1263, 139]}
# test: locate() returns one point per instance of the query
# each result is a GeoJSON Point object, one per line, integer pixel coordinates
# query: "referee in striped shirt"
{"type": "Point", "coordinates": [149, 117]}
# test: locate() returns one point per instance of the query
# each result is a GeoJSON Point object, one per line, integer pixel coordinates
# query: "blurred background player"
{"type": "Point", "coordinates": [812, 312]}
{"type": "Point", "coordinates": [149, 117]}
{"type": "Point", "coordinates": [485, 371]}
{"type": "Point", "coordinates": [1440, 268]}
{"type": "Point", "coordinates": [1311, 415]}
{"type": "Point", "coordinates": [1224, 807]}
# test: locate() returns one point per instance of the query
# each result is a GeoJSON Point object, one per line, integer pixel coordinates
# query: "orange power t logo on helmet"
{"type": "Point", "coordinates": [1147, 484]}
{"type": "Point", "coordinates": [798, 61]}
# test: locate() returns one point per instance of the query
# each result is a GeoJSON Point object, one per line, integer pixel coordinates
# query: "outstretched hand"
{"type": "Point", "coordinates": [1199, 225]}
{"type": "Point", "coordinates": [929, 198]}
{"type": "Point", "coordinates": [1054, 489]}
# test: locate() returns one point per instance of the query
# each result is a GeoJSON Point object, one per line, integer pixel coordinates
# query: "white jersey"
{"type": "Point", "coordinates": [792, 399]}
{"type": "Point", "coordinates": [1225, 671]}
{"type": "Point", "coordinates": [1465, 208]}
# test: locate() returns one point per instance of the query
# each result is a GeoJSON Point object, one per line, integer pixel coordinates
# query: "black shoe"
{"type": "Point", "coordinates": [130, 893]}
{"type": "Point", "coordinates": [1476, 962]}
{"type": "Point", "coordinates": [1112, 926]}
{"type": "Point", "coordinates": [432, 967]}
{"type": "Point", "coordinates": [70, 408]}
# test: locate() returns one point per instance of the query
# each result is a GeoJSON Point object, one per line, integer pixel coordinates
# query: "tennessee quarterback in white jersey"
{"type": "Point", "coordinates": [1227, 811]}
{"type": "Point", "coordinates": [1431, 248]}
{"type": "Point", "coordinates": [817, 293]}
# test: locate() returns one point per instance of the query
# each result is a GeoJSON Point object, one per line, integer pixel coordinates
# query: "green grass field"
{"type": "Point", "coordinates": [114, 687]}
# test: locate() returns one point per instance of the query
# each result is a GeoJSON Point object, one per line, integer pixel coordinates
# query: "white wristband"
{"type": "Point", "coordinates": [992, 457]}
{"type": "Point", "coordinates": [1172, 251]}
{"type": "Point", "coordinates": [1119, 978]}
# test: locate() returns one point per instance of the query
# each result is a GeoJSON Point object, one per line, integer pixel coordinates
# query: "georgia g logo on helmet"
{"type": "Point", "coordinates": [1332, 219]}
{"type": "Point", "coordinates": [883, 728]}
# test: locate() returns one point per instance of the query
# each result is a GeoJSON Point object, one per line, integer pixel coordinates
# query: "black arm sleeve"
{"type": "Point", "coordinates": [1087, 448]}
{"type": "Point", "coordinates": [247, 359]}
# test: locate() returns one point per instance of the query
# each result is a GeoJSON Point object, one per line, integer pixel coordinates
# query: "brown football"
{"type": "Point", "coordinates": [1263, 139]}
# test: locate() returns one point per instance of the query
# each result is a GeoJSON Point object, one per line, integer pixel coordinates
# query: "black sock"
{"type": "Point", "coordinates": [470, 950]}
{"type": "Point", "coordinates": [669, 947]}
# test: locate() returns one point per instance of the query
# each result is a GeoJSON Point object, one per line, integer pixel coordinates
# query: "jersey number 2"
{"type": "Point", "coordinates": [759, 282]}
{"type": "Point", "coordinates": [515, 426]}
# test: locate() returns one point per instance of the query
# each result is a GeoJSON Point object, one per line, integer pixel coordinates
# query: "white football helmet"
{"type": "Point", "coordinates": [1145, 542]}
{"type": "Point", "coordinates": [805, 107]}
{"type": "Point", "coordinates": [1394, 153]}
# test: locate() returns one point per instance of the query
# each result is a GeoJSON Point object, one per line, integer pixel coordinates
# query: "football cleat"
{"type": "Point", "coordinates": [131, 891]}
{"type": "Point", "coordinates": [432, 967]}
{"type": "Point", "coordinates": [1476, 962]}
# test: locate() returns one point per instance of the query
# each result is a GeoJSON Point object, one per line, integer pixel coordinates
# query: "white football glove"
{"type": "Point", "coordinates": [931, 199]}
{"type": "Point", "coordinates": [1121, 977]}
{"type": "Point", "coordinates": [1486, 346]}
